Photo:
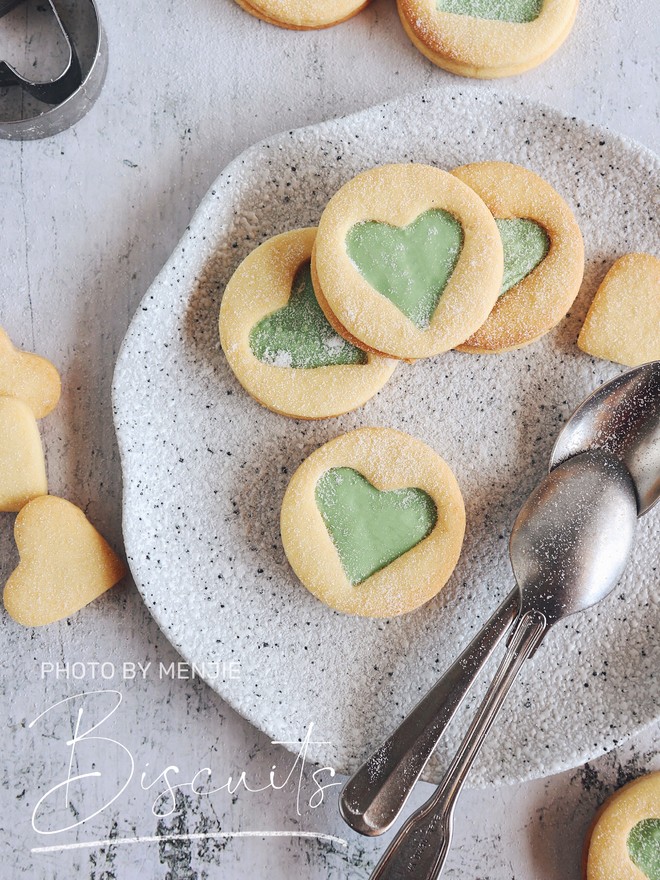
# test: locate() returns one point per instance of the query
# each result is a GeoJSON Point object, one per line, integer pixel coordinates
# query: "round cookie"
{"type": "Point", "coordinates": [373, 523]}
{"type": "Point", "coordinates": [407, 261]}
{"type": "Point", "coordinates": [487, 38]}
{"type": "Point", "coordinates": [280, 345]}
{"type": "Point", "coordinates": [543, 255]}
{"type": "Point", "coordinates": [302, 15]}
{"type": "Point", "coordinates": [623, 842]}
{"type": "Point", "coordinates": [623, 321]}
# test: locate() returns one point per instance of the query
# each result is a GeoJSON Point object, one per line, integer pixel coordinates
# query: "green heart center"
{"type": "Point", "coordinates": [520, 11]}
{"type": "Point", "coordinates": [525, 244]}
{"type": "Point", "coordinates": [299, 335]}
{"type": "Point", "coordinates": [410, 265]}
{"type": "Point", "coordinates": [370, 528]}
{"type": "Point", "coordinates": [644, 847]}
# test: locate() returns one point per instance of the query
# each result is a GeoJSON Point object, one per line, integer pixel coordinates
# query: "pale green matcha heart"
{"type": "Point", "coordinates": [644, 847]}
{"type": "Point", "coordinates": [299, 335]}
{"type": "Point", "coordinates": [410, 265]}
{"type": "Point", "coordinates": [370, 528]}
{"type": "Point", "coordinates": [526, 244]}
{"type": "Point", "coordinates": [519, 11]}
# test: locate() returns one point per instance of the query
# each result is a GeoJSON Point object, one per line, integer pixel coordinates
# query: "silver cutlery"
{"type": "Point", "coordinates": [569, 546]}
{"type": "Point", "coordinates": [621, 418]}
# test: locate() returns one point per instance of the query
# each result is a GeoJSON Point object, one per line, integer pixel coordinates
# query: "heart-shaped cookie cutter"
{"type": "Point", "coordinates": [73, 92]}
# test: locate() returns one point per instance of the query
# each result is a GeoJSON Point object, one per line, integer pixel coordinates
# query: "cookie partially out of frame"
{"type": "Point", "coordinates": [623, 842]}
{"type": "Point", "coordinates": [303, 14]}
{"type": "Point", "coordinates": [279, 344]}
{"type": "Point", "coordinates": [407, 261]}
{"type": "Point", "coordinates": [623, 323]}
{"type": "Point", "coordinates": [373, 523]}
{"type": "Point", "coordinates": [487, 38]}
{"type": "Point", "coordinates": [543, 255]}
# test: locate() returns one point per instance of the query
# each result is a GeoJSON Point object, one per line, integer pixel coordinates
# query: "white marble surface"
{"type": "Point", "coordinates": [88, 218]}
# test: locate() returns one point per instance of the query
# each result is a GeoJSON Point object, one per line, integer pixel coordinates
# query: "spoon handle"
{"type": "Point", "coordinates": [374, 796]}
{"type": "Point", "coordinates": [419, 850]}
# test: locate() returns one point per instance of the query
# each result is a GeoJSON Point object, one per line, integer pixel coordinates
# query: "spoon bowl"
{"type": "Point", "coordinates": [573, 536]}
{"type": "Point", "coordinates": [621, 417]}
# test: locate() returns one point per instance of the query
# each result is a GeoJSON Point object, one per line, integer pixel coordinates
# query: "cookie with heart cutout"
{"type": "Point", "coordinates": [279, 344]}
{"type": "Point", "coordinates": [373, 523]}
{"type": "Point", "coordinates": [487, 38]}
{"type": "Point", "coordinates": [407, 261]}
{"type": "Point", "coordinates": [22, 464]}
{"type": "Point", "coordinates": [29, 377]}
{"type": "Point", "coordinates": [623, 842]}
{"type": "Point", "coordinates": [623, 322]}
{"type": "Point", "coordinates": [303, 15]}
{"type": "Point", "coordinates": [543, 255]}
{"type": "Point", "coordinates": [64, 563]}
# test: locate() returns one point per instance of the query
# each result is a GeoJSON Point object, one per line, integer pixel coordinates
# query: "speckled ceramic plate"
{"type": "Point", "coordinates": [205, 467]}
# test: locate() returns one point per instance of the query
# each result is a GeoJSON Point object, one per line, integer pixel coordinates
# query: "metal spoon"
{"type": "Point", "coordinates": [623, 417]}
{"type": "Point", "coordinates": [569, 546]}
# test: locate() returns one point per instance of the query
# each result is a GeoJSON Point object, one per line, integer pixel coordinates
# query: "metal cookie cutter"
{"type": "Point", "coordinates": [58, 103]}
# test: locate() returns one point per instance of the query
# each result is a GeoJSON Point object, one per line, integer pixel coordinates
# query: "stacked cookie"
{"type": "Point", "coordinates": [65, 563]}
{"type": "Point", "coordinates": [408, 262]}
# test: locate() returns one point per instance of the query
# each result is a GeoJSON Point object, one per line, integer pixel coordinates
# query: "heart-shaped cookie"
{"type": "Point", "coordinates": [22, 465]}
{"type": "Point", "coordinates": [64, 563]}
{"type": "Point", "coordinates": [644, 847]}
{"type": "Point", "coordinates": [623, 323]}
{"type": "Point", "coordinates": [520, 11]}
{"type": "Point", "coordinates": [370, 528]}
{"type": "Point", "coordinates": [29, 377]}
{"type": "Point", "coordinates": [410, 265]}
{"type": "Point", "coordinates": [407, 261]}
{"type": "Point", "coordinates": [299, 335]}
{"type": "Point", "coordinates": [525, 244]}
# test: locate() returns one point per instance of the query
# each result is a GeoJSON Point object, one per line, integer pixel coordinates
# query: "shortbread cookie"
{"type": "Point", "coordinates": [487, 38]}
{"type": "Point", "coordinates": [373, 523]}
{"type": "Point", "coordinates": [22, 465]}
{"type": "Point", "coordinates": [543, 255]}
{"type": "Point", "coordinates": [624, 840]}
{"type": "Point", "coordinates": [303, 14]}
{"type": "Point", "coordinates": [29, 377]}
{"type": "Point", "coordinates": [407, 261]}
{"type": "Point", "coordinates": [64, 563]}
{"type": "Point", "coordinates": [623, 323]}
{"type": "Point", "coordinates": [279, 343]}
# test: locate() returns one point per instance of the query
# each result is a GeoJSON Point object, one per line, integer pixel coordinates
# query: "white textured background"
{"type": "Point", "coordinates": [88, 218]}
